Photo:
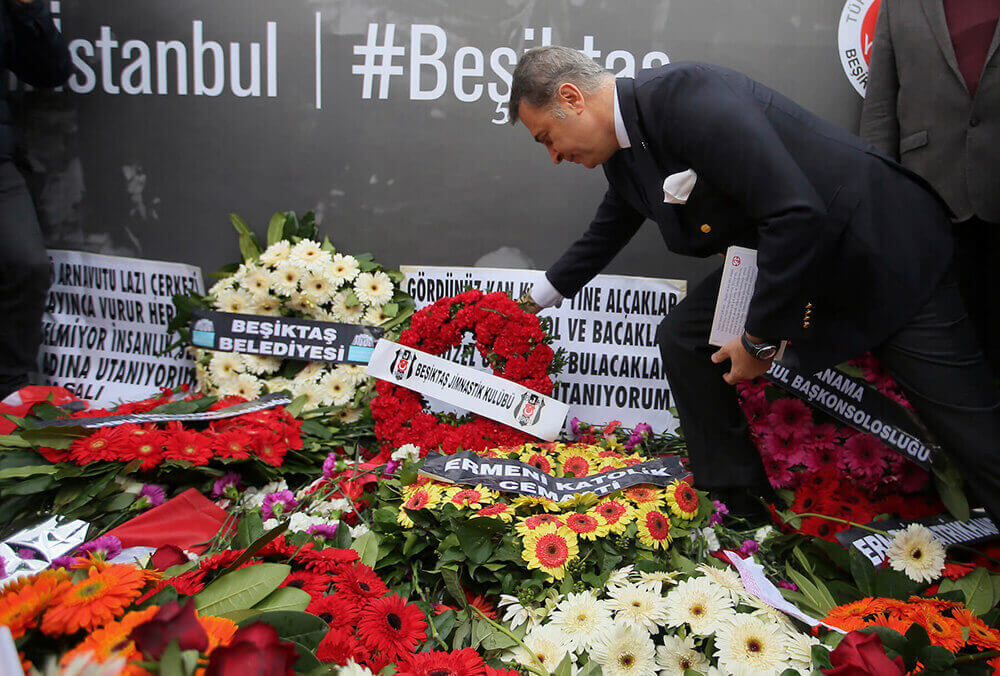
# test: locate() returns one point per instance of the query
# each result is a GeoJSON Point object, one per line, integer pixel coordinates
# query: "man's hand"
{"type": "Point", "coordinates": [528, 304]}
{"type": "Point", "coordinates": [742, 365]}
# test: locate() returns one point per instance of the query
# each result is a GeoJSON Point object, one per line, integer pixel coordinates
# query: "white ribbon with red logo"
{"type": "Point", "coordinates": [468, 388]}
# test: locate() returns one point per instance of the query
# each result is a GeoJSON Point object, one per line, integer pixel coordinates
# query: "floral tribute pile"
{"type": "Point", "coordinates": [509, 339]}
{"type": "Point", "coordinates": [297, 275]}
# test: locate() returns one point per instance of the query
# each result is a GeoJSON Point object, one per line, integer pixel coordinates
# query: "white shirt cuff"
{"type": "Point", "coordinates": [545, 294]}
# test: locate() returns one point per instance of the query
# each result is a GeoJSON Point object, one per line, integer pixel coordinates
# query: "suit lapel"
{"type": "Point", "coordinates": [934, 11]}
{"type": "Point", "coordinates": [993, 48]}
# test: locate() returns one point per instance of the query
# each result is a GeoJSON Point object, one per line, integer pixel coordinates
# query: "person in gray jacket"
{"type": "Point", "coordinates": [933, 104]}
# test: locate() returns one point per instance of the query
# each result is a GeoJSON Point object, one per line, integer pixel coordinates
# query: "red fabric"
{"type": "Point", "coordinates": [183, 521]}
{"type": "Point", "coordinates": [29, 396]}
{"type": "Point", "coordinates": [971, 24]}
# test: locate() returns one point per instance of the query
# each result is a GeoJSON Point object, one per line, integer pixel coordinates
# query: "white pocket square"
{"type": "Point", "coordinates": [677, 187]}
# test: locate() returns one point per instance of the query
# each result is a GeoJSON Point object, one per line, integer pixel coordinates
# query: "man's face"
{"type": "Point", "coordinates": [579, 137]}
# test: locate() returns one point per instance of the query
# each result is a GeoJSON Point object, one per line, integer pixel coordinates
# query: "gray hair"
{"type": "Point", "coordinates": [542, 70]}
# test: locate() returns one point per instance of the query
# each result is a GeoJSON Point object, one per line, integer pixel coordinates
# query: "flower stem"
{"type": "Point", "coordinates": [430, 608]}
{"type": "Point", "coordinates": [540, 670]}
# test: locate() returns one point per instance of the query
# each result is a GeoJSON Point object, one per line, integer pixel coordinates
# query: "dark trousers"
{"type": "Point", "coordinates": [935, 358]}
{"type": "Point", "coordinates": [977, 250]}
{"type": "Point", "coordinates": [24, 276]}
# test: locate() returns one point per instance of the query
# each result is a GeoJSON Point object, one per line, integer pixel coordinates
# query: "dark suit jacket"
{"type": "Point", "coordinates": [850, 244]}
{"type": "Point", "coordinates": [918, 110]}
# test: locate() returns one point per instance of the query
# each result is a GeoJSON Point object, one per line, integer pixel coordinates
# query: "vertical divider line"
{"type": "Point", "coordinates": [319, 61]}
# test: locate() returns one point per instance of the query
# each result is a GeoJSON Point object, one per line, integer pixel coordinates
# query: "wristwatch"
{"type": "Point", "coordinates": [763, 350]}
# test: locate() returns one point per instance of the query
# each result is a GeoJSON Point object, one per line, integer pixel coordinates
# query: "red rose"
{"type": "Point", "coordinates": [171, 622]}
{"type": "Point", "coordinates": [168, 555]}
{"type": "Point", "coordinates": [863, 655]}
{"type": "Point", "coordinates": [255, 650]}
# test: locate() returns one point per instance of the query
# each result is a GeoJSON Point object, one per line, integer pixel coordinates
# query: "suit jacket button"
{"type": "Point", "coordinates": [706, 228]}
{"type": "Point", "coordinates": [808, 305]}
{"type": "Point", "coordinates": [805, 324]}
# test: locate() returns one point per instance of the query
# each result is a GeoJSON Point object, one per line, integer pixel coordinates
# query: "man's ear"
{"type": "Point", "coordinates": [570, 96]}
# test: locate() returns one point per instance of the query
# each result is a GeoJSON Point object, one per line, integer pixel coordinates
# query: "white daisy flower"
{"type": "Point", "coordinates": [547, 645]}
{"type": "Point", "coordinates": [285, 278]}
{"type": "Point", "coordinates": [373, 288]}
{"type": "Point", "coordinates": [658, 576]}
{"type": "Point", "coordinates": [917, 553]}
{"type": "Point", "coordinates": [619, 577]}
{"type": "Point", "coordinates": [352, 668]}
{"type": "Point", "coordinates": [625, 651]}
{"type": "Point", "coordinates": [677, 655]}
{"type": "Point", "coordinates": [254, 497]}
{"type": "Point", "coordinates": [751, 647]}
{"type": "Point", "coordinates": [638, 606]}
{"type": "Point", "coordinates": [726, 578]}
{"type": "Point", "coordinates": [312, 391]}
{"type": "Point", "coordinates": [799, 647]}
{"type": "Point", "coordinates": [582, 619]}
{"type": "Point", "coordinates": [350, 315]}
{"type": "Point", "coordinates": [268, 306]}
{"type": "Point", "coordinates": [225, 366]}
{"type": "Point", "coordinates": [309, 255]}
{"type": "Point", "coordinates": [317, 289]}
{"type": "Point", "coordinates": [259, 365]}
{"type": "Point", "coordinates": [257, 282]}
{"type": "Point", "coordinates": [244, 385]}
{"type": "Point", "coordinates": [516, 614]}
{"type": "Point", "coordinates": [313, 371]}
{"type": "Point", "coordinates": [375, 315]}
{"type": "Point", "coordinates": [339, 386]}
{"type": "Point", "coordinates": [225, 284]}
{"type": "Point", "coordinates": [301, 302]}
{"type": "Point", "coordinates": [201, 377]}
{"type": "Point", "coordinates": [236, 300]}
{"type": "Point", "coordinates": [343, 268]}
{"type": "Point", "coordinates": [346, 416]}
{"type": "Point", "coordinates": [700, 604]}
{"type": "Point", "coordinates": [279, 384]}
{"type": "Point", "coordinates": [277, 253]}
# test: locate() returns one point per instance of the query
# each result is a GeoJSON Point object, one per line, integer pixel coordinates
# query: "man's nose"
{"type": "Point", "coordinates": [555, 155]}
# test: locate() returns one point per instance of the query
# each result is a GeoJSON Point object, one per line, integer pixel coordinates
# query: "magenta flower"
{"type": "Point", "coordinates": [720, 511]}
{"type": "Point", "coordinates": [865, 456]}
{"type": "Point", "coordinates": [574, 425]}
{"type": "Point", "coordinates": [224, 482]}
{"type": "Point", "coordinates": [156, 495]}
{"type": "Point", "coordinates": [323, 530]}
{"type": "Point", "coordinates": [26, 553]}
{"type": "Point", "coordinates": [391, 467]}
{"type": "Point", "coordinates": [62, 562]}
{"type": "Point", "coordinates": [283, 500]}
{"type": "Point", "coordinates": [748, 548]}
{"type": "Point", "coordinates": [790, 418]}
{"type": "Point", "coordinates": [785, 584]}
{"type": "Point", "coordinates": [330, 465]}
{"type": "Point", "coordinates": [108, 545]}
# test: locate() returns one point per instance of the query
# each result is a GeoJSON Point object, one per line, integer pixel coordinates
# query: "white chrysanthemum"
{"type": "Point", "coordinates": [268, 306]}
{"type": "Point", "coordinates": [317, 289]}
{"type": "Point", "coordinates": [917, 553]}
{"type": "Point", "coordinates": [620, 577]}
{"type": "Point", "coordinates": [300, 521]}
{"type": "Point", "coordinates": [257, 282]}
{"type": "Point", "coordinates": [658, 576]}
{"type": "Point", "coordinates": [285, 278]}
{"type": "Point", "coordinates": [352, 668]}
{"type": "Point", "coordinates": [258, 365]}
{"type": "Point", "coordinates": [641, 606]}
{"type": "Point", "coordinates": [677, 655]}
{"type": "Point", "coordinates": [244, 385]}
{"type": "Point", "coordinates": [406, 452]}
{"type": "Point", "coordinates": [343, 268]}
{"type": "Point", "coordinates": [700, 604]}
{"type": "Point", "coordinates": [625, 651]}
{"type": "Point", "coordinates": [582, 619]}
{"type": "Point", "coordinates": [309, 255]}
{"type": "Point", "coordinates": [726, 578]}
{"type": "Point", "coordinates": [235, 300]}
{"type": "Point", "coordinates": [225, 366]}
{"type": "Point", "coordinates": [546, 643]}
{"type": "Point", "coordinates": [347, 415]}
{"type": "Point", "coordinates": [339, 386]}
{"type": "Point", "coordinates": [254, 497]}
{"type": "Point", "coordinates": [343, 313]}
{"type": "Point", "coordinates": [763, 533]}
{"type": "Point", "coordinates": [358, 531]}
{"type": "Point", "coordinates": [277, 253]}
{"type": "Point", "coordinates": [313, 392]}
{"type": "Point", "coordinates": [751, 647]}
{"type": "Point", "coordinates": [373, 288]}
{"type": "Point", "coordinates": [375, 315]}
{"type": "Point", "coordinates": [799, 647]}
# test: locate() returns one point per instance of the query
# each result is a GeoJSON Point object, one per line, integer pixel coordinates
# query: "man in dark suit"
{"type": "Point", "coordinates": [853, 250]}
{"type": "Point", "coordinates": [933, 104]}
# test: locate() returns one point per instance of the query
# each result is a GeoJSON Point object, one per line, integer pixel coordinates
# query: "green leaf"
{"type": "Point", "coordinates": [978, 589]}
{"type": "Point", "coordinates": [863, 572]}
{"type": "Point", "coordinates": [936, 658]}
{"type": "Point", "coordinates": [307, 660]}
{"type": "Point", "coordinates": [170, 662]}
{"type": "Point", "coordinates": [350, 299]}
{"type": "Point", "coordinates": [295, 408]}
{"type": "Point", "coordinates": [238, 616]}
{"type": "Point", "coordinates": [367, 548]}
{"type": "Point", "coordinates": [285, 598]}
{"type": "Point", "coordinates": [390, 309]}
{"type": "Point", "coordinates": [13, 441]}
{"type": "Point", "coordinates": [248, 243]}
{"type": "Point", "coordinates": [891, 639]}
{"type": "Point", "coordinates": [32, 470]}
{"type": "Point", "coordinates": [241, 588]}
{"type": "Point", "coordinates": [29, 486]}
{"type": "Point", "coordinates": [453, 585]}
{"type": "Point", "coordinates": [276, 228]}
{"type": "Point", "coordinates": [249, 529]}
{"type": "Point", "coordinates": [59, 438]}
{"type": "Point", "coordinates": [949, 485]}
{"type": "Point", "coordinates": [565, 668]}
{"type": "Point", "coordinates": [294, 625]}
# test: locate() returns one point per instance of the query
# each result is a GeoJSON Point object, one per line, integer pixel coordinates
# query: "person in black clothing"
{"type": "Point", "coordinates": [33, 49]}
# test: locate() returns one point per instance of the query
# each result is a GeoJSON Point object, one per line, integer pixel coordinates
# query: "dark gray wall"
{"type": "Point", "coordinates": [413, 181]}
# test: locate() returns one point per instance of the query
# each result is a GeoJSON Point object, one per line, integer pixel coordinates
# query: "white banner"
{"type": "Point", "coordinates": [608, 330]}
{"type": "Point", "coordinates": [471, 390]}
{"type": "Point", "coordinates": [105, 324]}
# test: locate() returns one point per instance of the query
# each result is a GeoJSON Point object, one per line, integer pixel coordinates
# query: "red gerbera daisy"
{"type": "Point", "coordinates": [392, 626]}
{"type": "Point", "coordinates": [185, 445]}
{"type": "Point", "coordinates": [235, 444]}
{"type": "Point", "coordinates": [358, 581]}
{"type": "Point", "coordinates": [104, 444]}
{"type": "Point", "coordinates": [464, 662]}
{"type": "Point", "coordinates": [144, 445]}
{"type": "Point", "coordinates": [539, 461]}
{"type": "Point", "coordinates": [536, 520]}
{"type": "Point", "coordinates": [334, 609]}
{"type": "Point", "coordinates": [576, 466]}
{"type": "Point", "coordinates": [314, 584]}
{"type": "Point", "coordinates": [339, 646]}
{"type": "Point", "coordinates": [270, 448]}
{"type": "Point", "coordinates": [326, 560]}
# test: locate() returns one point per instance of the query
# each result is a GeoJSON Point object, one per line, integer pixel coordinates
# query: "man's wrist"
{"type": "Point", "coordinates": [759, 348]}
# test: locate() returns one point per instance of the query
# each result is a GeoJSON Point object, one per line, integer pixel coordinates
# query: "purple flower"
{"type": "Point", "coordinates": [330, 465]}
{"type": "Point", "coordinates": [324, 530]}
{"type": "Point", "coordinates": [748, 548]}
{"type": "Point", "coordinates": [391, 467]}
{"type": "Point", "coordinates": [62, 562]}
{"type": "Point", "coordinates": [156, 495]}
{"type": "Point", "coordinates": [643, 429]}
{"type": "Point", "coordinates": [224, 482]}
{"type": "Point", "coordinates": [574, 425]}
{"type": "Point", "coordinates": [108, 545]}
{"type": "Point", "coordinates": [785, 584]}
{"type": "Point", "coordinates": [285, 499]}
{"type": "Point", "coordinates": [3, 568]}
{"type": "Point", "coordinates": [26, 553]}
{"type": "Point", "coordinates": [720, 511]}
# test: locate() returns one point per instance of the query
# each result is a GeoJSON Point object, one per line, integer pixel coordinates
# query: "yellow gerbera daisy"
{"type": "Point", "coordinates": [465, 497]}
{"type": "Point", "coordinates": [536, 521]}
{"type": "Point", "coordinates": [616, 514]}
{"type": "Point", "coordinates": [683, 499]}
{"type": "Point", "coordinates": [644, 495]}
{"type": "Point", "coordinates": [586, 525]}
{"type": "Point", "coordinates": [498, 510]}
{"type": "Point", "coordinates": [654, 527]}
{"type": "Point", "coordinates": [549, 548]}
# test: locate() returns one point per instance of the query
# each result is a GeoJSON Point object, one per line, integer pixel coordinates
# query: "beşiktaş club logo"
{"type": "Point", "coordinates": [402, 364]}
{"type": "Point", "coordinates": [529, 409]}
{"type": "Point", "coordinates": [855, 38]}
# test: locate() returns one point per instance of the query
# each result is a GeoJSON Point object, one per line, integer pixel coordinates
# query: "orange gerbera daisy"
{"type": "Point", "coordinates": [855, 615]}
{"type": "Point", "coordinates": [112, 639]}
{"type": "Point", "coordinates": [980, 635]}
{"type": "Point", "coordinates": [644, 495]}
{"type": "Point", "coordinates": [220, 631]}
{"type": "Point", "coordinates": [942, 631]}
{"type": "Point", "coordinates": [95, 600]}
{"type": "Point", "coordinates": [24, 600]}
